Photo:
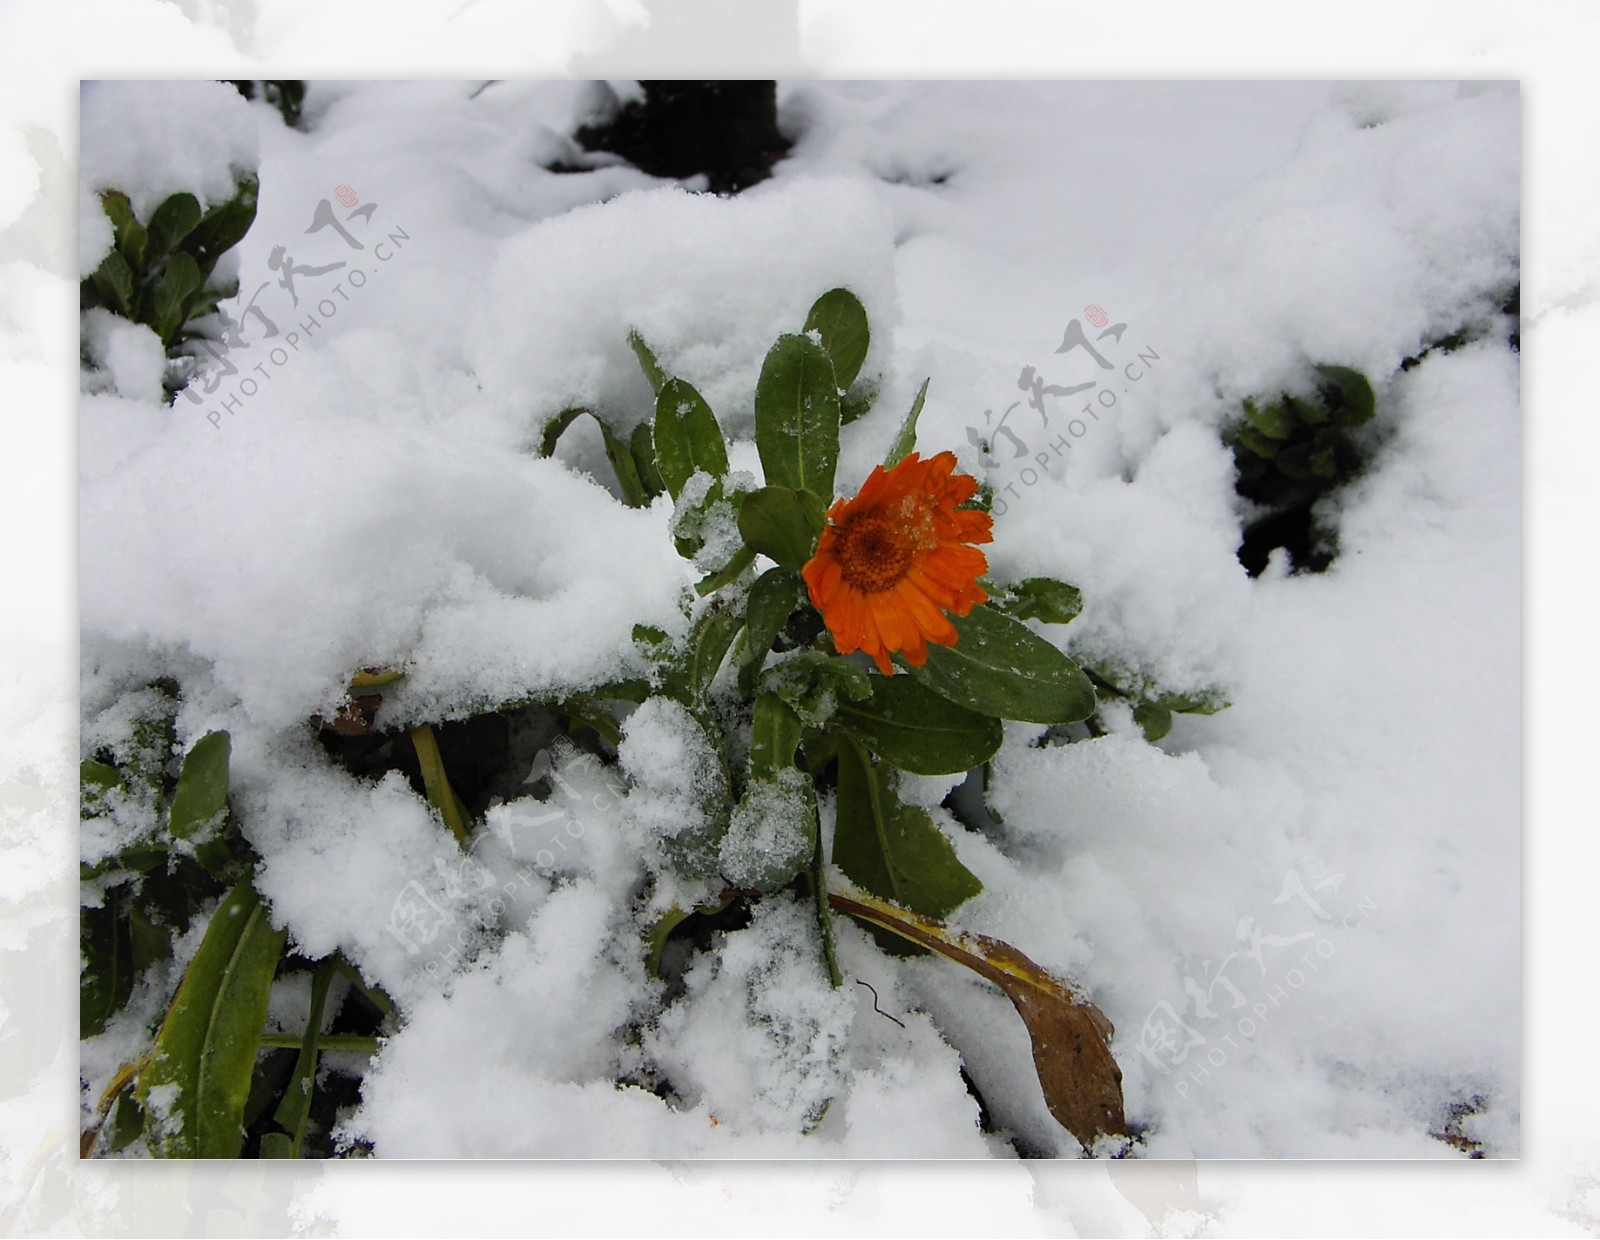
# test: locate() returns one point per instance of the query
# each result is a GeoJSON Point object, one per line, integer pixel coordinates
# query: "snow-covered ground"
{"type": "Point", "coordinates": [1302, 914]}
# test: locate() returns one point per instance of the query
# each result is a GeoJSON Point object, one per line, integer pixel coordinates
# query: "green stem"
{"type": "Point", "coordinates": [819, 892]}
{"type": "Point", "coordinates": [379, 1000]}
{"type": "Point", "coordinates": [440, 795]}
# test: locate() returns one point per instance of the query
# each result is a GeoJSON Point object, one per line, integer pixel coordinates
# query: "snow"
{"type": "Point", "coordinates": [155, 139]}
{"type": "Point", "coordinates": [375, 502]}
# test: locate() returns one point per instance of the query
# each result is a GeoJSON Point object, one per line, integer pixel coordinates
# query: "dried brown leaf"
{"type": "Point", "coordinates": [1071, 1037]}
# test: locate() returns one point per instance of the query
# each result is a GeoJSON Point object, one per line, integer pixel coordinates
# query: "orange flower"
{"type": "Point", "coordinates": [895, 558]}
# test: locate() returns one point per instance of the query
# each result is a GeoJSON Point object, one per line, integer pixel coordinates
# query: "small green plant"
{"type": "Point", "coordinates": [160, 271]}
{"type": "Point", "coordinates": [1291, 451]}
{"type": "Point", "coordinates": [832, 647]}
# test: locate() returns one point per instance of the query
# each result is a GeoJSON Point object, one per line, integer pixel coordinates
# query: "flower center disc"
{"type": "Point", "coordinates": [876, 549]}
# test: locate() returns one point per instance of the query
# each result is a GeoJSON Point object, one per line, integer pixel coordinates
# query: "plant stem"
{"type": "Point", "coordinates": [440, 794]}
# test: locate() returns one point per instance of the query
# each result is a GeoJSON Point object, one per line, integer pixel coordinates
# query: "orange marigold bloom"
{"type": "Point", "coordinates": [895, 558]}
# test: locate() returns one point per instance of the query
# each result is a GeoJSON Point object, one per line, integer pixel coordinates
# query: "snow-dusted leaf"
{"type": "Point", "coordinates": [797, 416]}
{"type": "Point", "coordinates": [1000, 667]}
{"type": "Point", "coordinates": [1071, 1037]}
{"type": "Point", "coordinates": [687, 437]}
{"type": "Point", "coordinates": [201, 799]}
{"type": "Point", "coordinates": [917, 730]}
{"type": "Point", "coordinates": [194, 1091]}
{"type": "Point", "coordinates": [840, 319]}
{"type": "Point", "coordinates": [906, 439]}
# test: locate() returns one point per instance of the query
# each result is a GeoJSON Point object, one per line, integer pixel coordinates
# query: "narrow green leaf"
{"type": "Point", "coordinates": [797, 416]}
{"type": "Point", "coordinates": [106, 979]}
{"type": "Point", "coordinates": [840, 320]}
{"type": "Point", "coordinates": [556, 427]}
{"type": "Point", "coordinates": [1354, 400]}
{"type": "Point", "coordinates": [1256, 442]}
{"type": "Point", "coordinates": [295, 1108]}
{"type": "Point", "coordinates": [642, 445]}
{"type": "Point", "coordinates": [1000, 667]}
{"type": "Point", "coordinates": [201, 799]}
{"type": "Point", "coordinates": [687, 437]}
{"type": "Point", "coordinates": [621, 457]}
{"type": "Point", "coordinates": [194, 1091]}
{"type": "Point", "coordinates": [782, 524]}
{"type": "Point", "coordinates": [179, 283]}
{"type": "Point", "coordinates": [656, 941]}
{"type": "Point", "coordinates": [906, 440]}
{"type": "Point", "coordinates": [891, 849]}
{"type": "Point", "coordinates": [647, 361]}
{"type": "Point", "coordinates": [773, 597]}
{"type": "Point", "coordinates": [170, 223]}
{"type": "Point", "coordinates": [911, 726]}
{"type": "Point", "coordinates": [731, 571]}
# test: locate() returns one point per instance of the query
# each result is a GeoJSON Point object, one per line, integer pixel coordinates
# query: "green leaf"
{"type": "Point", "coordinates": [774, 737]}
{"type": "Point", "coordinates": [914, 728]}
{"type": "Point", "coordinates": [1271, 420]}
{"type": "Point", "coordinates": [618, 452]}
{"type": "Point", "coordinates": [621, 457]}
{"type": "Point", "coordinates": [814, 684]}
{"type": "Point", "coordinates": [295, 1108]}
{"type": "Point", "coordinates": [707, 646]}
{"type": "Point", "coordinates": [556, 427]}
{"type": "Point", "coordinates": [1256, 442]}
{"type": "Point", "coordinates": [840, 319]}
{"type": "Point", "coordinates": [1000, 667]}
{"type": "Point", "coordinates": [731, 571]}
{"type": "Point", "coordinates": [687, 437]}
{"type": "Point", "coordinates": [857, 402]}
{"type": "Point", "coordinates": [96, 781]}
{"type": "Point", "coordinates": [114, 282]}
{"type": "Point", "coordinates": [797, 416]}
{"type": "Point", "coordinates": [773, 598]}
{"type": "Point", "coordinates": [179, 283]}
{"type": "Point", "coordinates": [170, 223]}
{"type": "Point", "coordinates": [642, 444]}
{"type": "Point", "coordinates": [106, 979]}
{"type": "Point", "coordinates": [890, 849]}
{"type": "Point", "coordinates": [1354, 401]}
{"type": "Point", "coordinates": [782, 524]}
{"type": "Point", "coordinates": [128, 234]}
{"type": "Point", "coordinates": [224, 225]}
{"type": "Point", "coordinates": [1042, 598]}
{"type": "Point", "coordinates": [201, 800]}
{"type": "Point", "coordinates": [1310, 412]}
{"type": "Point", "coordinates": [1154, 720]}
{"type": "Point", "coordinates": [647, 361]}
{"type": "Point", "coordinates": [906, 440]}
{"type": "Point", "coordinates": [193, 1093]}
